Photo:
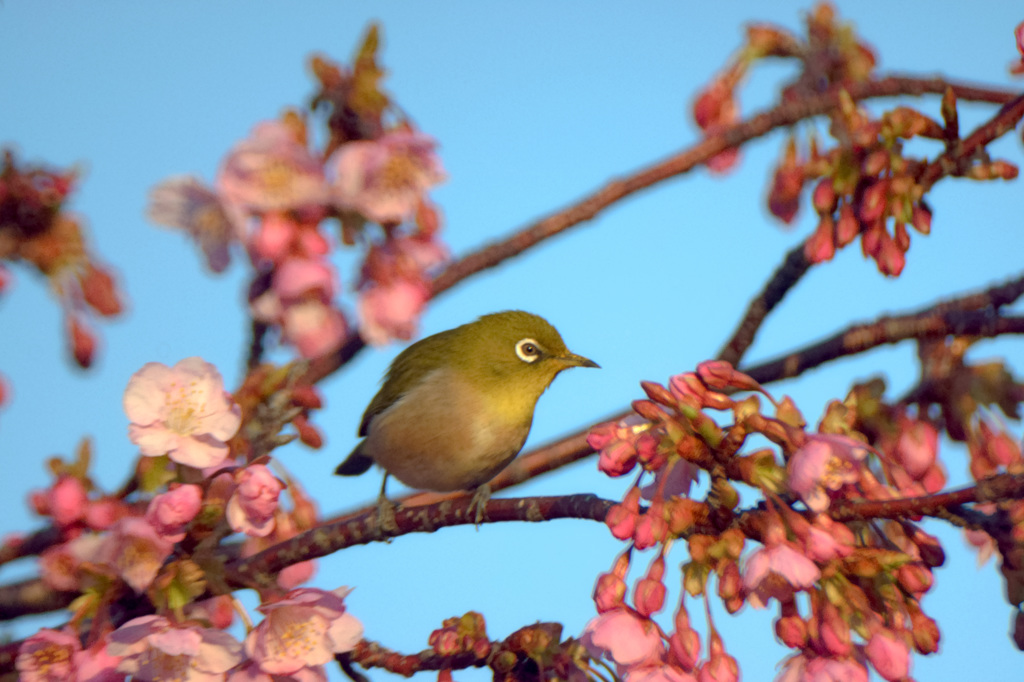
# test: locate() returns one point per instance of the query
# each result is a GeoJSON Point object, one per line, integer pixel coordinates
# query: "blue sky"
{"type": "Point", "coordinates": [534, 104]}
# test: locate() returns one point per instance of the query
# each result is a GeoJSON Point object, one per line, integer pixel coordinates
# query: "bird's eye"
{"type": "Point", "coordinates": [528, 350]}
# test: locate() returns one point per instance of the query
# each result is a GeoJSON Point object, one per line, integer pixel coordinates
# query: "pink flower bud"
{"type": "Point", "coordinates": [251, 508]}
{"type": "Point", "coordinates": [915, 578]}
{"type": "Point", "coordinates": [83, 342]}
{"type": "Point", "coordinates": [824, 197]}
{"type": "Point", "coordinates": [169, 513]}
{"type": "Point", "coordinates": [917, 447]}
{"type": "Point", "coordinates": [609, 592]}
{"type": "Point", "coordinates": [652, 527]}
{"type": "Point", "coordinates": [684, 648]}
{"type": "Point", "coordinates": [821, 246]}
{"type": "Point", "coordinates": [834, 633]}
{"type": "Point", "coordinates": [622, 518]}
{"type": "Point", "coordinates": [889, 655]}
{"type": "Point", "coordinates": [601, 435]}
{"type": "Point", "coordinates": [67, 501]}
{"type": "Point", "coordinates": [100, 291]}
{"type": "Point", "coordinates": [791, 631]}
{"type": "Point", "coordinates": [874, 201]}
{"type": "Point", "coordinates": [720, 666]}
{"type": "Point", "coordinates": [847, 227]}
{"type": "Point", "coordinates": [617, 458]}
{"type": "Point", "coordinates": [721, 375]}
{"type": "Point", "coordinates": [649, 596]}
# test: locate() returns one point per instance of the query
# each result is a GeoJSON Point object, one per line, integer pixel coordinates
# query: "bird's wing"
{"type": "Point", "coordinates": [406, 371]}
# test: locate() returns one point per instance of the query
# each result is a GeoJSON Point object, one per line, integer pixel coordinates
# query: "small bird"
{"type": "Point", "coordinates": [455, 408]}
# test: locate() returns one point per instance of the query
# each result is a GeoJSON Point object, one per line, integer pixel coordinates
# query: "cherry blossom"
{"type": "Point", "coordinates": [824, 463]}
{"type": "Point", "coordinates": [385, 179]}
{"type": "Point", "coordinates": [181, 411]}
{"type": "Point", "coordinates": [60, 566]}
{"type": "Point", "coordinates": [623, 637]}
{"type": "Point", "coordinates": [135, 551]}
{"type": "Point", "coordinates": [777, 570]}
{"type": "Point", "coordinates": [151, 648]}
{"type": "Point", "coordinates": [391, 311]}
{"type": "Point", "coordinates": [271, 171]}
{"type": "Point", "coordinates": [251, 507]}
{"type": "Point", "coordinates": [183, 202]}
{"type": "Point", "coordinates": [302, 630]}
{"type": "Point", "coordinates": [169, 513]}
{"type": "Point", "coordinates": [48, 655]}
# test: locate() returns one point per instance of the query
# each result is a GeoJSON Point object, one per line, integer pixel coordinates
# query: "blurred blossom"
{"type": "Point", "coordinates": [302, 630]}
{"type": "Point", "coordinates": [385, 179]}
{"type": "Point", "coordinates": [271, 171]}
{"type": "Point", "coordinates": [777, 570]}
{"type": "Point", "coordinates": [60, 566]}
{"type": "Point", "coordinates": [917, 447]}
{"type": "Point", "coordinates": [624, 638]}
{"type": "Point", "coordinates": [217, 611]}
{"type": "Point", "coordinates": [169, 513]}
{"type": "Point", "coordinates": [824, 463]}
{"type": "Point", "coordinates": [153, 648]}
{"type": "Point", "coordinates": [313, 327]}
{"type": "Point", "coordinates": [826, 539]}
{"type": "Point", "coordinates": [181, 411]}
{"type": "Point", "coordinates": [299, 302]}
{"type": "Point", "coordinates": [183, 202]}
{"type": "Point", "coordinates": [67, 501]}
{"type": "Point", "coordinates": [251, 507]}
{"type": "Point", "coordinates": [48, 656]}
{"type": "Point", "coordinates": [97, 664]}
{"type": "Point", "coordinates": [391, 311]}
{"type": "Point", "coordinates": [802, 668]}
{"type": "Point", "coordinates": [279, 236]}
{"type": "Point", "coordinates": [673, 479]}
{"type": "Point", "coordinates": [135, 551]}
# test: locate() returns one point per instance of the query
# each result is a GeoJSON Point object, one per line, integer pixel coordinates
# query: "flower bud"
{"type": "Point", "coordinates": [847, 227]}
{"type": "Point", "coordinates": [83, 342]}
{"type": "Point", "coordinates": [824, 197]}
{"type": "Point", "coordinates": [609, 592]}
{"type": "Point", "coordinates": [821, 245]}
{"type": "Point", "coordinates": [648, 596]}
{"type": "Point", "coordinates": [791, 631]}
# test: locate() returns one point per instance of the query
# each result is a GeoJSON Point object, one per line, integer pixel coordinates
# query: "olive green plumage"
{"type": "Point", "coordinates": [455, 408]}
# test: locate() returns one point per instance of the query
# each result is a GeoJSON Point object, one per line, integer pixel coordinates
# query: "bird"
{"type": "Point", "coordinates": [455, 408]}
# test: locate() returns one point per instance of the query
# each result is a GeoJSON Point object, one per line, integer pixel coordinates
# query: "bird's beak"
{"type": "Point", "coordinates": [574, 360]}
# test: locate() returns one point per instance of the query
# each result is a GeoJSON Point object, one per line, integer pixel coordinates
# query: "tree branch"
{"type": "Point", "coordinates": [887, 330]}
{"type": "Point", "coordinates": [261, 569]}
{"type": "Point", "coordinates": [793, 267]}
{"type": "Point", "coordinates": [782, 115]}
{"type": "Point", "coordinates": [991, 489]}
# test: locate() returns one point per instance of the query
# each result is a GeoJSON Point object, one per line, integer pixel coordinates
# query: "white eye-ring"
{"type": "Point", "coordinates": [528, 350]}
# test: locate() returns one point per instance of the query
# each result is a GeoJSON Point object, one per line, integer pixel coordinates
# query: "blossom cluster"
{"type": "Point", "coordinates": [196, 481]}
{"type": "Point", "coordinates": [865, 185]}
{"type": "Point", "coordinates": [277, 196]}
{"type": "Point", "coordinates": [36, 228]}
{"type": "Point", "coordinates": [862, 583]}
{"type": "Point", "coordinates": [300, 633]}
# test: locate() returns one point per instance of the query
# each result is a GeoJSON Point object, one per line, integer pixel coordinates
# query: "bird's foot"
{"type": "Point", "coordinates": [478, 504]}
{"type": "Point", "coordinates": [386, 522]}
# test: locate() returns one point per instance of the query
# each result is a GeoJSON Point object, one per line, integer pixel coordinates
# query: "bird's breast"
{"type": "Point", "coordinates": [446, 434]}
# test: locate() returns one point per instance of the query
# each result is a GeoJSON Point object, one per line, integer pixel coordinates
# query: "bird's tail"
{"type": "Point", "coordinates": [356, 463]}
